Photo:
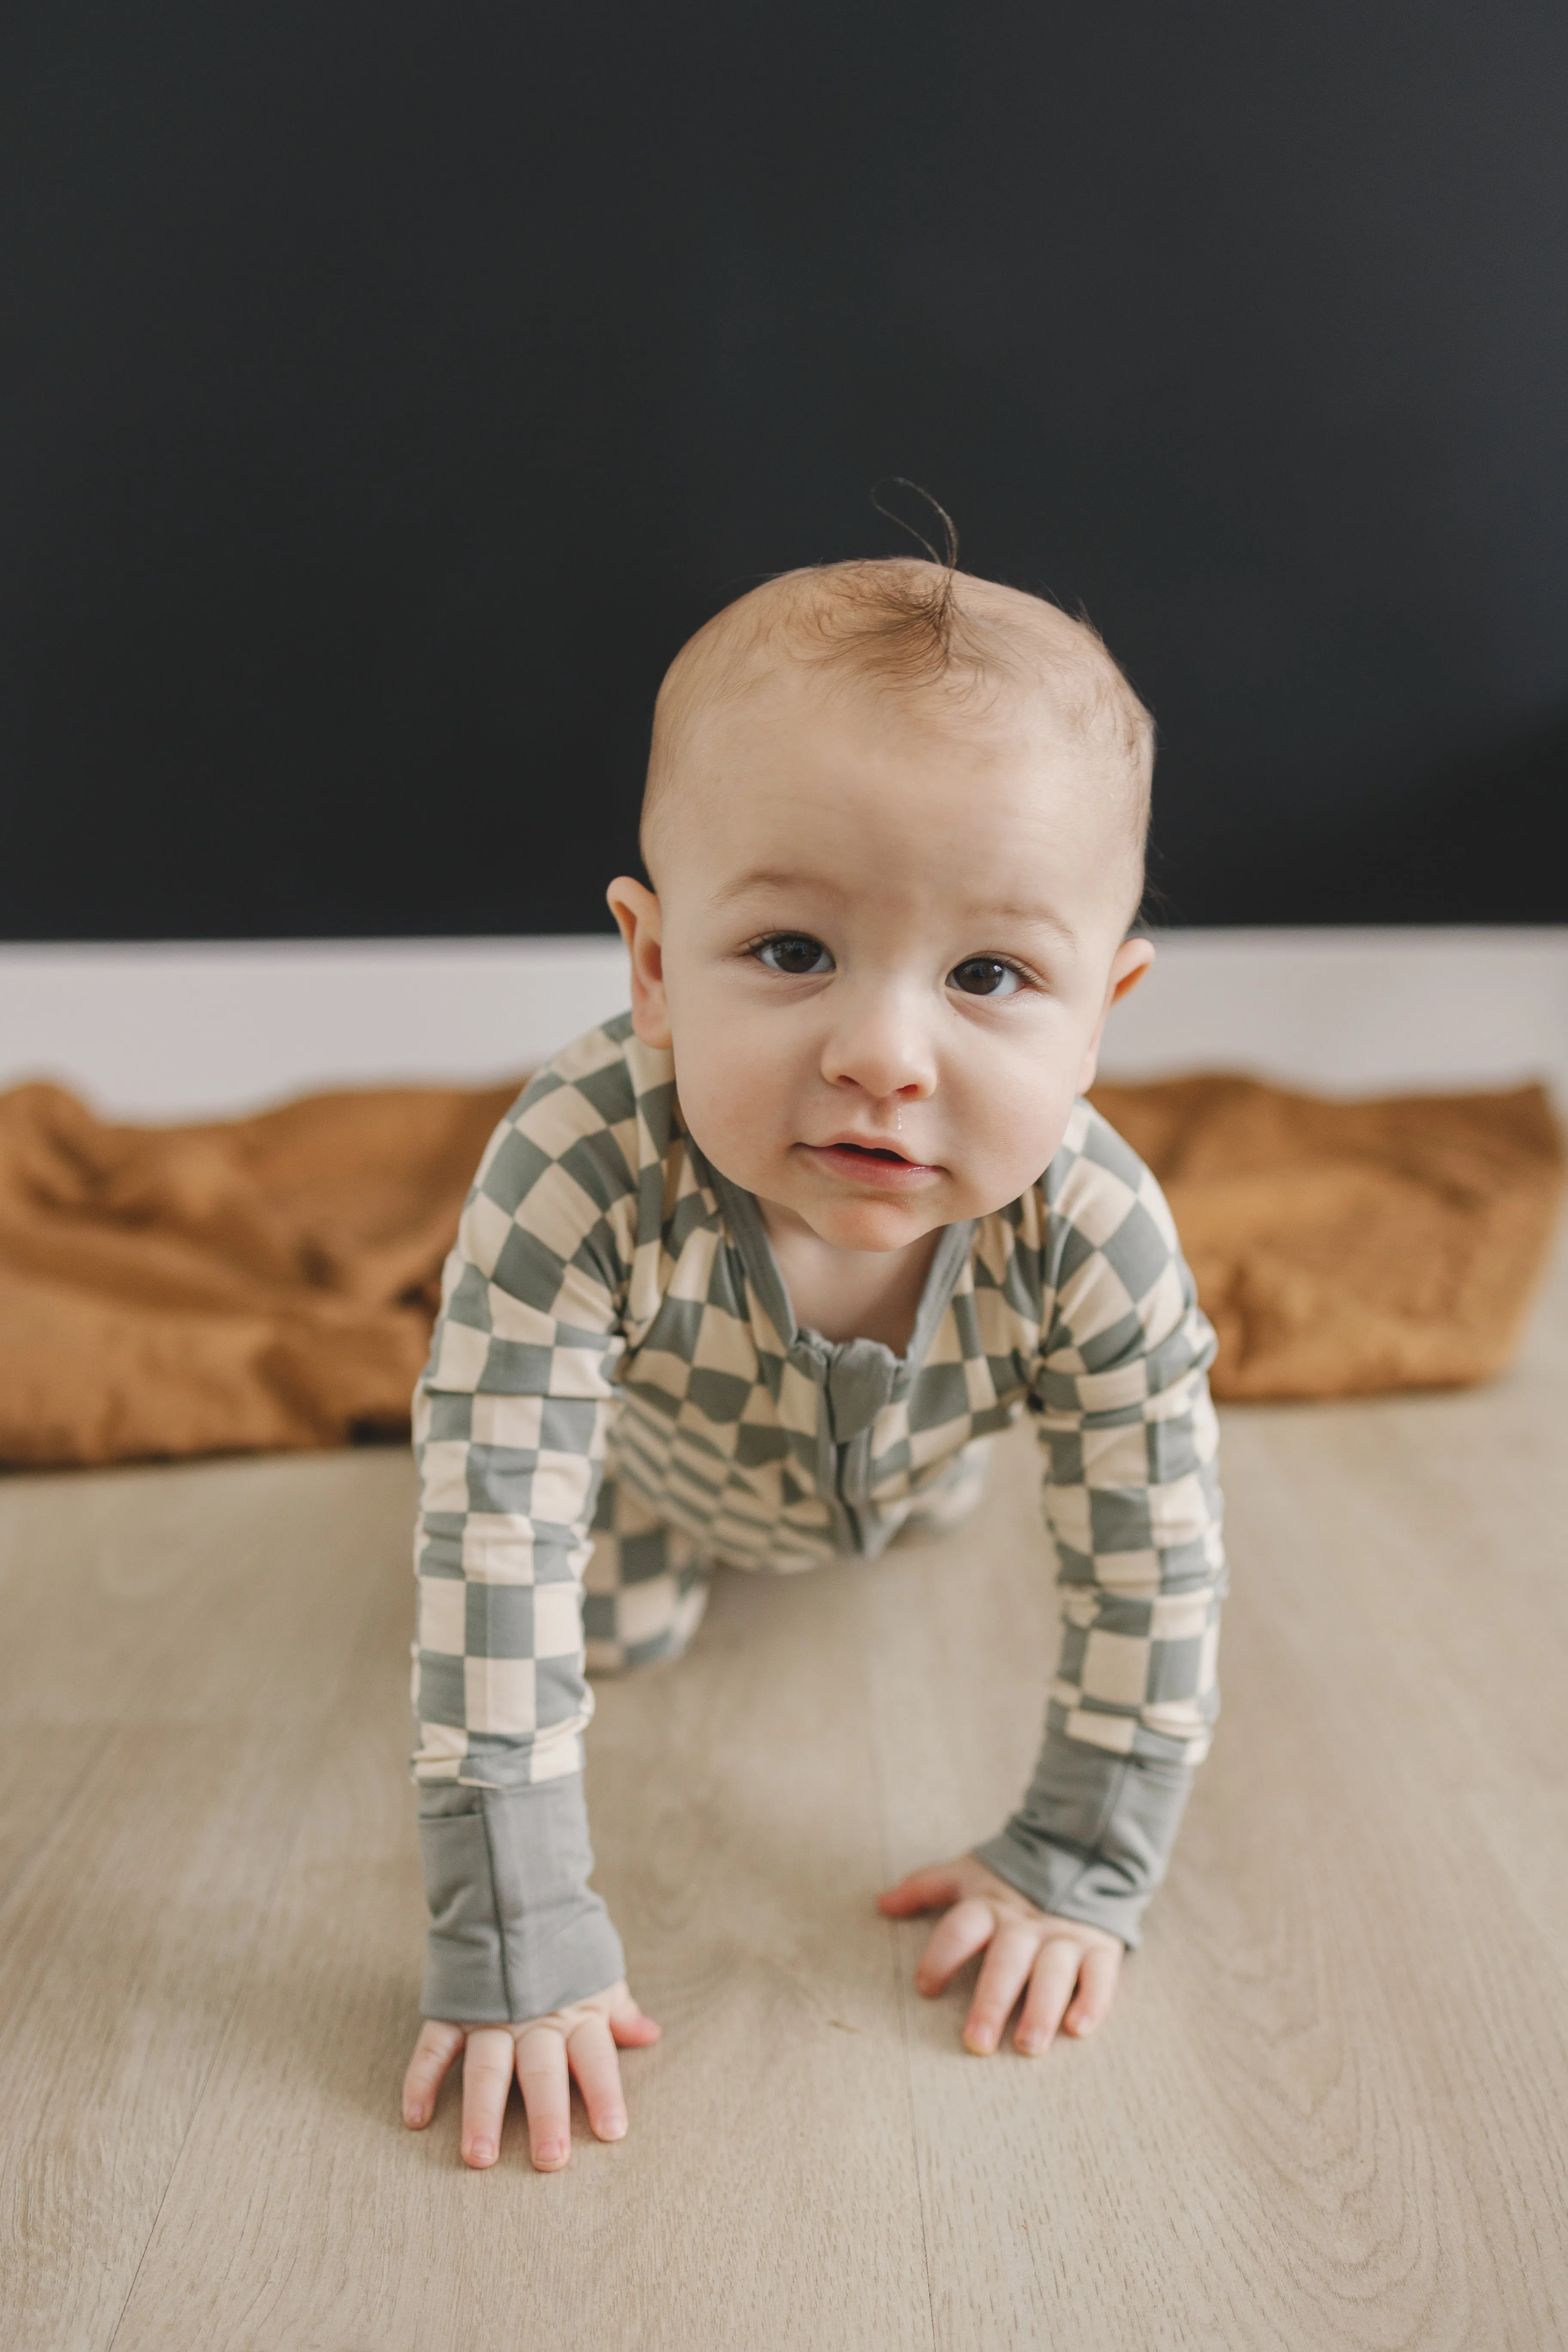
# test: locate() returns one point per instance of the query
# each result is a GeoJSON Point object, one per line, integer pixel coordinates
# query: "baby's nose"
{"type": "Point", "coordinates": [882, 1047]}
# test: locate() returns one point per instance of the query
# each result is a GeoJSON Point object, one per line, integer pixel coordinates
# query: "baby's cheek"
{"type": "Point", "coordinates": [733, 1098]}
{"type": "Point", "coordinates": [1007, 1133]}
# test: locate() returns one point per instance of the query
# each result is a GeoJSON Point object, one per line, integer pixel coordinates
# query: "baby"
{"type": "Point", "coordinates": [750, 1275]}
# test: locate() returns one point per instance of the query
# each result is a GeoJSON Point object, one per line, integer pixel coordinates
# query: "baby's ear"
{"type": "Point", "coordinates": [1128, 966]}
{"type": "Point", "coordinates": [636, 910]}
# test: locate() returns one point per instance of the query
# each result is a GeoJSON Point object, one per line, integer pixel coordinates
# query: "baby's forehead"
{"type": "Point", "coordinates": [902, 655]}
{"type": "Point", "coordinates": [821, 827]}
{"type": "Point", "coordinates": [780, 697]}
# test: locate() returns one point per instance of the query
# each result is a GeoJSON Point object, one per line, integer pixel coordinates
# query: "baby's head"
{"type": "Point", "coordinates": [894, 823]}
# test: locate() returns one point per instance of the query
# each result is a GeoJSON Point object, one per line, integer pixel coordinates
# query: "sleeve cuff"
{"type": "Point", "coordinates": [515, 1928]}
{"type": "Point", "coordinates": [1067, 1885]}
{"type": "Point", "coordinates": [1093, 1836]}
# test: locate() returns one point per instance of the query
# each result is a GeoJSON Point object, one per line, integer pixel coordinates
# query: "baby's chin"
{"type": "Point", "coordinates": [855, 1224]}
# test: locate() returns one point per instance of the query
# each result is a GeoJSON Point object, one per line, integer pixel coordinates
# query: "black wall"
{"type": "Point", "coordinates": [388, 389]}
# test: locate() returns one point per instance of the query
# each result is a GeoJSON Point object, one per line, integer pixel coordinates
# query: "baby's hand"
{"type": "Point", "coordinates": [583, 2037]}
{"type": "Point", "coordinates": [1060, 1960]}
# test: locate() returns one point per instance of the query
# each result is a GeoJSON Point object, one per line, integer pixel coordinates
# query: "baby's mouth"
{"type": "Point", "coordinates": [872, 1163]}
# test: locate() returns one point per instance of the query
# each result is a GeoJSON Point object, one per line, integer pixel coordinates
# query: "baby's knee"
{"type": "Point", "coordinates": [951, 1499]}
{"type": "Point", "coordinates": [637, 1625]}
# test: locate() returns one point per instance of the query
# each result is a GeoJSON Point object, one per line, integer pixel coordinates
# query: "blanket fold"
{"type": "Point", "coordinates": [270, 1282]}
{"type": "Point", "coordinates": [1343, 1248]}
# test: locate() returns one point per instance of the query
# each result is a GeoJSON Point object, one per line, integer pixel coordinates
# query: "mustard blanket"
{"type": "Point", "coordinates": [270, 1282]}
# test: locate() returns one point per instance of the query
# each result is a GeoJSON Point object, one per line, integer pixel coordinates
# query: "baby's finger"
{"type": "Point", "coordinates": [631, 2029]}
{"type": "Point", "coordinates": [922, 1890]}
{"type": "Point", "coordinates": [546, 2094]}
{"type": "Point", "coordinates": [591, 2054]}
{"type": "Point", "coordinates": [1002, 1980]}
{"type": "Point", "coordinates": [954, 1940]}
{"type": "Point", "coordinates": [1096, 1988]}
{"type": "Point", "coordinates": [1051, 1989]}
{"type": "Point", "coordinates": [434, 2051]}
{"type": "Point", "coordinates": [486, 2079]}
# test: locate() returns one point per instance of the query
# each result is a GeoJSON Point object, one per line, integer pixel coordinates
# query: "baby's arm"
{"type": "Point", "coordinates": [509, 1429]}
{"type": "Point", "coordinates": [1132, 1502]}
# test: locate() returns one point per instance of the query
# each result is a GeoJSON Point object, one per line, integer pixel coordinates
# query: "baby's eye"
{"type": "Point", "coordinates": [986, 976]}
{"type": "Point", "coordinates": [794, 953]}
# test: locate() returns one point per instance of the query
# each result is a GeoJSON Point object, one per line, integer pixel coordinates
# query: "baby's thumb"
{"type": "Point", "coordinates": [922, 1890]}
{"type": "Point", "coordinates": [630, 2028]}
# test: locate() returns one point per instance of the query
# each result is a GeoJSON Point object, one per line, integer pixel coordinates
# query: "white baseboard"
{"type": "Point", "coordinates": [1353, 1011]}
{"type": "Point", "coordinates": [181, 1031]}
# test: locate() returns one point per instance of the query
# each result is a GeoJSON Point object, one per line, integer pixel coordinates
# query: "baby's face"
{"type": "Point", "coordinates": [882, 951]}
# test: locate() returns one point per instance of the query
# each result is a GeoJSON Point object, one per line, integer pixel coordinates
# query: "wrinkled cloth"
{"type": "Point", "coordinates": [256, 1284]}
{"type": "Point", "coordinates": [270, 1282]}
{"type": "Point", "coordinates": [1345, 1248]}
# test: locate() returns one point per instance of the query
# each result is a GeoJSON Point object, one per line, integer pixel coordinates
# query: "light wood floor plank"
{"type": "Point", "coordinates": [767, 2195]}
{"type": "Point", "coordinates": [1326, 2113]}
{"type": "Point", "coordinates": [1328, 2108]}
{"type": "Point", "coordinates": [175, 1641]}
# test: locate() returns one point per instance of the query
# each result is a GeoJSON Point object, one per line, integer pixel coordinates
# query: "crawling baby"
{"type": "Point", "coordinates": [749, 1276]}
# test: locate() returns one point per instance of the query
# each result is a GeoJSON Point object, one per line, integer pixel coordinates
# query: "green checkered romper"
{"type": "Point", "coordinates": [618, 1401]}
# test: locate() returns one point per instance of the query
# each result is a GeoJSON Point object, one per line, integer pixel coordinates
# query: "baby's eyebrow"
{"type": "Point", "coordinates": [1038, 919]}
{"type": "Point", "coordinates": [979, 914]}
{"type": "Point", "coordinates": [774, 877]}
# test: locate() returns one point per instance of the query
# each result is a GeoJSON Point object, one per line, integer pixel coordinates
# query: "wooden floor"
{"type": "Point", "coordinates": [1330, 2110]}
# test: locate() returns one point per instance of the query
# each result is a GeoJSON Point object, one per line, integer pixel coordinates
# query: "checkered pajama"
{"type": "Point", "coordinates": [1130, 1439]}
{"type": "Point", "coordinates": [598, 1309]}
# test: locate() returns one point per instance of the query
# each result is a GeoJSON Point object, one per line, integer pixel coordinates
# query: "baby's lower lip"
{"type": "Point", "coordinates": [888, 1174]}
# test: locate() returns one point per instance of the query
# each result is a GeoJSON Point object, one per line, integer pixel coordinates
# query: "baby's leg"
{"type": "Point", "coordinates": [645, 1591]}
{"type": "Point", "coordinates": [949, 1502]}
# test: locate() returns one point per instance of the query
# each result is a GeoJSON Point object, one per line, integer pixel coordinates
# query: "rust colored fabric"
{"type": "Point", "coordinates": [1342, 1248]}
{"type": "Point", "coordinates": [267, 1282]}
{"type": "Point", "coordinates": [270, 1282]}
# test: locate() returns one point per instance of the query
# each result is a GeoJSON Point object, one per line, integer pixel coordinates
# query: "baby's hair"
{"type": "Point", "coordinates": [912, 618]}
{"type": "Point", "coordinates": [918, 627]}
